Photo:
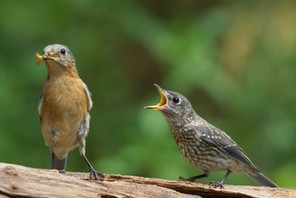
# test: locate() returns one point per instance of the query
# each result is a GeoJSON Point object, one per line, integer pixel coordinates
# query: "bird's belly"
{"type": "Point", "coordinates": [204, 157]}
{"type": "Point", "coordinates": [63, 114]}
{"type": "Point", "coordinates": [63, 138]}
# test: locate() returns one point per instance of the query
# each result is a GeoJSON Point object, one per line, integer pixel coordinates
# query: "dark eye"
{"type": "Point", "coordinates": [176, 100]}
{"type": "Point", "coordinates": [63, 51]}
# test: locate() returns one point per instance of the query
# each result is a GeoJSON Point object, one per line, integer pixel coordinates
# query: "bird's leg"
{"type": "Point", "coordinates": [193, 178]}
{"type": "Point", "coordinates": [58, 164]}
{"type": "Point", "coordinates": [220, 183]}
{"type": "Point", "coordinates": [92, 171]}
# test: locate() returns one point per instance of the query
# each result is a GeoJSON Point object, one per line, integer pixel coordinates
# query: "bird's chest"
{"type": "Point", "coordinates": [64, 105]}
{"type": "Point", "coordinates": [64, 109]}
{"type": "Point", "coordinates": [188, 141]}
{"type": "Point", "coordinates": [184, 134]}
{"type": "Point", "coordinates": [64, 98]}
{"type": "Point", "coordinates": [191, 145]}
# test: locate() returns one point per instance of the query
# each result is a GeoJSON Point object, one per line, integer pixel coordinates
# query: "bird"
{"type": "Point", "coordinates": [203, 144]}
{"type": "Point", "coordinates": [63, 107]}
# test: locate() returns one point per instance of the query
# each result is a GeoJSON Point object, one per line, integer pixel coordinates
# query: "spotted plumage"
{"type": "Point", "coordinates": [203, 144]}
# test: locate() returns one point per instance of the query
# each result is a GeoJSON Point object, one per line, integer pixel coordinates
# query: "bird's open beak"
{"type": "Point", "coordinates": [47, 55]}
{"type": "Point", "coordinates": [163, 100]}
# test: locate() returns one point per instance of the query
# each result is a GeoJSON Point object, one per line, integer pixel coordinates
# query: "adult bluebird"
{"type": "Point", "coordinates": [203, 144]}
{"type": "Point", "coordinates": [64, 106]}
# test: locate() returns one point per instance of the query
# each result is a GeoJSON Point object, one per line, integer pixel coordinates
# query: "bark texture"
{"type": "Point", "coordinates": [19, 181]}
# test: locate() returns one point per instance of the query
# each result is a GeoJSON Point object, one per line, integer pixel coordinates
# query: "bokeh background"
{"type": "Point", "coordinates": [234, 60]}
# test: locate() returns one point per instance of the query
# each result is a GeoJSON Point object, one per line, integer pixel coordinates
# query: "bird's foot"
{"type": "Point", "coordinates": [93, 174]}
{"type": "Point", "coordinates": [62, 171]}
{"type": "Point", "coordinates": [217, 184]}
{"type": "Point", "coordinates": [191, 179]}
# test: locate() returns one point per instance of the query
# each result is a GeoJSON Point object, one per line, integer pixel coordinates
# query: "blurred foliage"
{"type": "Point", "coordinates": [234, 60]}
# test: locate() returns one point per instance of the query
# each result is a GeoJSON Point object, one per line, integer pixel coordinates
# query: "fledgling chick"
{"type": "Point", "coordinates": [203, 144]}
{"type": "Point", "coordinates": [64, 106]}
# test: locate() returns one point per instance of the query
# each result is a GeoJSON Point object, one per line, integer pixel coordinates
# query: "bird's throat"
{"type": "Point", "coordinates": [55, 70]}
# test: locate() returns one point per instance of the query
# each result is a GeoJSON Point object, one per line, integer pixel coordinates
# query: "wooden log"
{"type": "Point", "coordinates": [21, 181]}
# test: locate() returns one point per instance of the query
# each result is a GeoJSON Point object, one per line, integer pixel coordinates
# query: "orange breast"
{"type": "Point", "coordinates": [64, 110]}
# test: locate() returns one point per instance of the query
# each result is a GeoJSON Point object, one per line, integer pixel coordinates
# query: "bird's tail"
{"type": "Point", "coordinates": [58, 164]}
{"type": "Point", "coordinates": [260, 178]}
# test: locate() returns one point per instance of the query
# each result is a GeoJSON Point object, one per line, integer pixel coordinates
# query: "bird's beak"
{"type": "Point", "coordinates": [163, 100]}
{"type": "Point", "coordinates": [45, 56]}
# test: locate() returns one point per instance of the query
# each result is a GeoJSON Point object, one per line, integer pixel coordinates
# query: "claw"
{"type": "Point", "coordinates": [217, 184]}
{"type": "Point", "coordinates": [62, 171]}
{"type": "Point", "coordinates": [184, 179]}
{"type": "Point", "coordinates": [94, 175]}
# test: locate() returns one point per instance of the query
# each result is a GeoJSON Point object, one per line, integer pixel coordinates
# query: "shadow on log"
{"type": "Point", "coordinates": [19, 181]}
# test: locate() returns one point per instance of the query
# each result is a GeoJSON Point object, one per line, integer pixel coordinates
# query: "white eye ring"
{"type": "Point", "coordinates": [63, 51]}
{"type": "Point", "coordinates": [176, 100]}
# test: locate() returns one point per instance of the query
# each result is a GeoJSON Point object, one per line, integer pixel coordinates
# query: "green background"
{"type": "Point", "coordinates": [234, 60]}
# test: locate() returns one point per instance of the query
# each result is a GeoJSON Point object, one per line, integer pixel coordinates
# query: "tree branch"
{"type": "Point", "coordinates": [19, 181]}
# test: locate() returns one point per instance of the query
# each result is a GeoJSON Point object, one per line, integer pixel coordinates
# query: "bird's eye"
{"type": "Point", "coordinates": [176, 100]}
{"type": "Point", "coordinates": [63, 51]}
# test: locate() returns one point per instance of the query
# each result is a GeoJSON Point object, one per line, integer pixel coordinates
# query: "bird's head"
{"type": "Point", "coordinates": [171, 103]}
{"type": "Point", "coordinates": [57, 53]}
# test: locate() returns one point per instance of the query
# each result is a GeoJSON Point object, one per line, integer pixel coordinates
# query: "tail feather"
{"type": "Point", "coordinates": [58, 164]}
{"type": "Point", "coordinates": [260, 178]}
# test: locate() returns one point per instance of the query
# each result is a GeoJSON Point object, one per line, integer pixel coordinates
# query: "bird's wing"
{"type": "Point", "coordinates": [90, 103]}
{"type": "Point", "coordinates": [84, 127]}
{"type": "Point", "coordinates": [219, 140]}
{"type": "Point", "coordinates": [40, 103]}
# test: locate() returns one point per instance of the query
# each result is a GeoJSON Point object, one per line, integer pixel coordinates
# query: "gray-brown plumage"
{"type": "Point", "coordinates": [203, 144]}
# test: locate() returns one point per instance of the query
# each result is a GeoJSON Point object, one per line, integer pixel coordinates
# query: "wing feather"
{"type": "Point", "coordinates": [219, 140]}
{"type": "Point", "coordinates": [40, 104]}
{"type": "Point", "coordinates": [88, 93]}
